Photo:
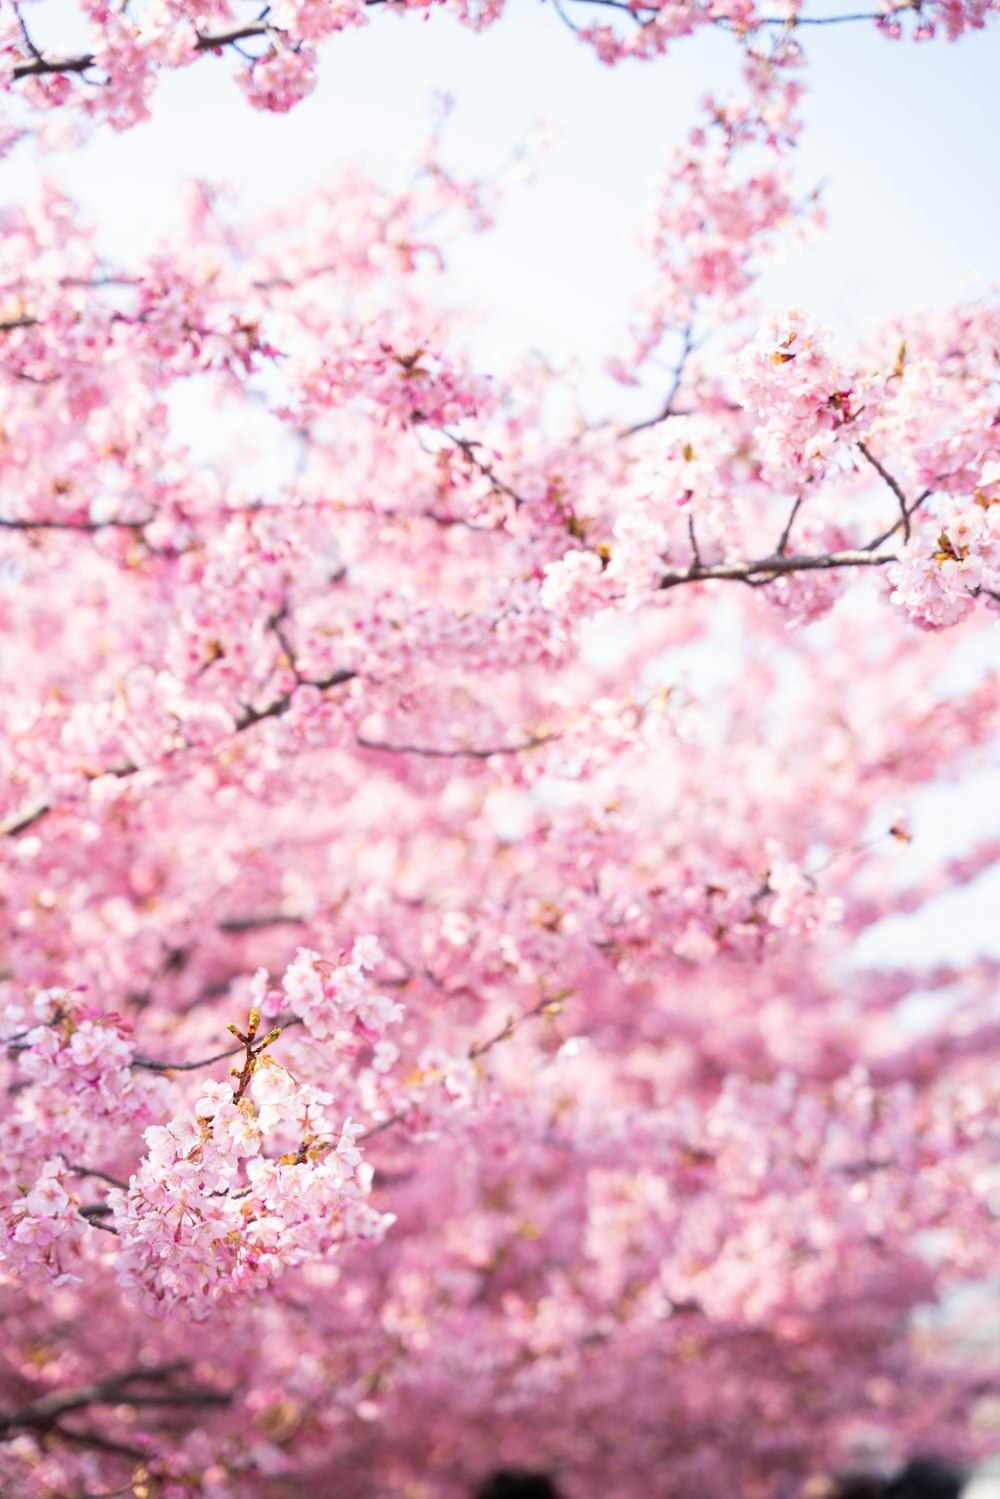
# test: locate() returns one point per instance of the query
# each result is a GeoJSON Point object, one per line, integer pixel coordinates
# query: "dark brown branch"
{"type": "Point", "coordinates": [280, 705]}
{"type": "Point", "coordinates": [211, 42]}
{"type": "Point", "coordinates": [237, 924]}
{"type": "Point", "coordinates": [19, 822]}
{"type": "Point", "coordinates": [643, 14]}
{"type": "Point", "coordinates": [693, 538]}
{"type": "Point", "coordinates": [96, 1440]}
{"type": "Point", "coordinates": [893, 485]}
{"type": "Point", "coordinates": [49, 523]}
{"type": "Point", "coordinates": [94, 1215]}
{"type": "Point", "coordinates": [112, 1181]}
{"type": "Point", "coordinates": [765, 569]}
{"type": "Point", "coordinates": [150, 1064]}
{"type": "Point", "coordinates": [378, 1129]}
{"type": "Point", "coordinates": [455, 754]}
{"type": "Point", "coordinates": [468, 450]}
{"type": "Point", "coordinates": [43, 1412]}
{"type": "Point", "coordinates": [782, 547]}
{"type": "Point", "coordinates": [898, 525]}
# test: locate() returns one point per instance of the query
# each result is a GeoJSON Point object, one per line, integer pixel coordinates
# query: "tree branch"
{"type": "Point", "coordinates": [893, 485]}
{"type": "Point", "coordinates": [766, 569]}
{"type": "Point", "coordinates": [20, 821]}
{"type": "Point", "coordinates": [782, 546]}
{"type": "Point", "coordinates": [48, 523]}
{"type": "Point", "coordinates": [150, 1064]}
{"type": "Point", "coordinates": [43, 1413]}
{"type": "Point", "coordinates": [82, 62]}
{"type": "Point", "coordinates": [455, 754]}
{"type": "Point", "coordinates": [667, 409]}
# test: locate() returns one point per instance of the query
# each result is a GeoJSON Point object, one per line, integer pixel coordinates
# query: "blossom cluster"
{"type": "Point", "coordinates": [612, 1124]}
{"type": "Point", "coordinates": [216, 1210]}
{"type": "Point", "coordinates": [954, 560]}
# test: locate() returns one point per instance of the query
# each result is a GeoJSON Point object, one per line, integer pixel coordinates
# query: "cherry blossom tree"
{"type": "Point", "coordinates": [432, 884]}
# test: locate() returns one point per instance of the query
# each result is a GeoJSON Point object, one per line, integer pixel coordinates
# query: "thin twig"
{"type": "Point", "coordinates": [150, 1064]}
{"type": "Point", "coordinates": [893, 485]}
{"type": "Point", "coordinates": [431, 753]}
{"type": "Point", "coordinates": [50, 523]}
{"type": "Point", "coordinates": [237, 924]}
{"type": "Point", "coordinates": [468, 449]}
{"type": "Point", "coordinates": [765, 569]}
{"type": "Point", "coordinates": [898, 525]}
{"type": "Point", "coordinates": [693, 538]}
{"type": "Point", "coordinates": [786, 533]}
{"type": "Point", "coordinates": [19, 822]}
{"type": "Point", "coordinates": [667, 410]}
{"type": "Point", "coordinates": [94, 1215]}
{"type": "Point", "coordinates": [112, 1181]}
{"type": "Point", "coordinates": [211, 42]}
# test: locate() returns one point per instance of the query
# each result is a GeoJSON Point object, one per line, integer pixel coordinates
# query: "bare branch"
{"type": "Point", "coordinates": [280, 705]}
{"type": "Point", "coordinates": [234, 925]}
{"type": "Point", "coordinates": [112, 1181]}
{"type": "Point", "coordinates": [893, 485]}
{"type": "Point", "coordinates": [378, 1129]}
{"type": "Point", "coordinates": [94, 1214]}
{"type": "Point", "coordinates": [19, 822]}
{"type": "Point", "coordinates": [898, 525]}
{"type": "Point", "coordinates": [789, 523]}
{"type": "Point", "coordinates": [117, 1389]}
{"type": "Point", "coordinates": [50, 523]}
{"type": "Point", "coordinates": [150, 1064]}
{"type": "Point", "coordinates": [458, 753]}
{"type": "Point", "coordinates": [693, 538]}
{"type": "Point", "coordinates": [37, 64]}
{"type": "Point", "coordinates": [766, 569]}
{"type": "Point", "coordinates": [84, 61]}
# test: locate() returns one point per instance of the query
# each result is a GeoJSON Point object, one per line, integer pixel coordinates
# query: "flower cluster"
{"type": "Point", "coordinates": [953, 560]}
{"type": "Point", "coordinates": [806, 406]}
{"type": "Point", "coordinates": [336, 999]}
{"type": "Point", "coordinates": [242, 1187]}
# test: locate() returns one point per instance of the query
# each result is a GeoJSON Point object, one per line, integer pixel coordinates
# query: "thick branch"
{"type": "Point", "coordinates": [44, 1412]}
{"type": "Point", "coordinates": [51, 524]}
{"type": "Point", "coordinates": [431, 753]}
{"type": "Point", "coordinates": [26, 817]}
{"type": "Point", "coordinates": [765, 569]}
